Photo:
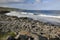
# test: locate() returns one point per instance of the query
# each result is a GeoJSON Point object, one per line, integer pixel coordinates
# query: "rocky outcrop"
{"type": "Point", "coordinates": [3, 12]}
{"type": "Point", "coordinates": [27, 26]}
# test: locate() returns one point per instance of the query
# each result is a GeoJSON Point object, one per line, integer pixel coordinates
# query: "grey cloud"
{"type": "Point", "coordinates": [6, 1]}
{"type": "Point", "coordinates": [38, 1]}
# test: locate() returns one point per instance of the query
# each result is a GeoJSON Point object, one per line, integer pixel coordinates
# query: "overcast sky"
{"type": "Point", "coordinates": [32, 4]}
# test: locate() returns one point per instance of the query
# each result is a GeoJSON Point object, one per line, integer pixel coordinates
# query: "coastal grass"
{"type": "Point", "coordinates": [3, 36]}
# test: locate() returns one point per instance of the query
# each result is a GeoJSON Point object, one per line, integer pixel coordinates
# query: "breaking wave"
{"type": "Point", "coordinates": [41, 17]}
{"type": "Point", "coordinates": [18, 14]}
{"type": "Point", "coordinates": [49, 16]}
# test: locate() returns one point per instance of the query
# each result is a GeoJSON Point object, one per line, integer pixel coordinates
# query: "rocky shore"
{"type": "Point", "coordinates": [28, 29]}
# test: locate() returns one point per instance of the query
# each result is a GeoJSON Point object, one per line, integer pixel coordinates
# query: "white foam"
{"type": "Point", "coordinates": [40, 17]}
{"type": "Point", "coordinates": [13, 13]}
{"type": "Point", "coordinates": [22, 14]}
{"type": "Point", "coordinates": [19, 14]}
{"type": "Point", "coordinates": [51, 16]}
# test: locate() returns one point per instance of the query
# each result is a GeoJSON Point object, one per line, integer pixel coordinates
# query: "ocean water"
{"type": "Point", "coordinates": [52, 17]}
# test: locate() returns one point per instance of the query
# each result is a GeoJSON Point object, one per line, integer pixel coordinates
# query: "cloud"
{"type": "Point", "coordinates": [2, 1]}
{"type": "Point", "coordinates": [6, 1]}
{"type": "Point", "coordinates": [38, 1]}
{"type": "Point", "coordinates": [16, 0]}
{"type": "Point", "coordinates": [44, 5]}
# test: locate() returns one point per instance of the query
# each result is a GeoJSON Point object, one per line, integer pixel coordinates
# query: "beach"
{"type": "Point", "coordinates": [27, 26]}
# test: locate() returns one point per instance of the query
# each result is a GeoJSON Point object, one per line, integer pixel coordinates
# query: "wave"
{"type": "Point", "coordinates": [41, 17]}
{"type": "Point", "coordinates": [52, 16]}
{"type": "Point", "coordinates": [14, 13]}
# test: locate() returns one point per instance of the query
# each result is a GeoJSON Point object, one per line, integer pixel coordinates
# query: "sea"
{"type": "Point", "coordinates": [46, 16]}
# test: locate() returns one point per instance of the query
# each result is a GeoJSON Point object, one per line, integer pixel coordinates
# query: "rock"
{"type": "Point", "coordinates": [43, 38]}
{"type": "Point", "coordinates": [15, 24]}
{"type": "Point", "coordinates": [3, 12]}
{"type": "Point", "coordinates": [54, 39]}
{"type": "Point", "coordinates": [23, 37]}
{"type": "Point", "coordinates": [11, 38]}
{"type": "Point", "coordinates": [31, 38]}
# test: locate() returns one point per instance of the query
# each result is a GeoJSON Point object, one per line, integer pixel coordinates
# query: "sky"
{"type": "Point", "coordinates": [32, 4]}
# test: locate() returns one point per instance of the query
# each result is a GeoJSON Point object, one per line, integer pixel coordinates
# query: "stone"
{"type": "Point", "coordinates": [11, 38]}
